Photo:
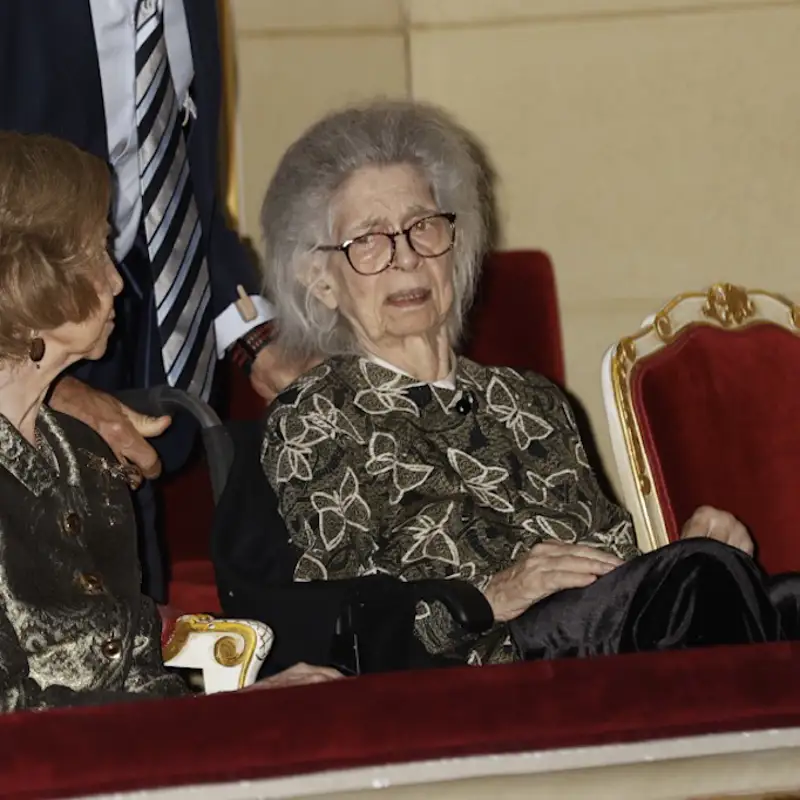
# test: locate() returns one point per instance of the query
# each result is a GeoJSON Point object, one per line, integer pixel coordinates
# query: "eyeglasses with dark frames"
{"type": "Point", "coordinates": [372, 253]}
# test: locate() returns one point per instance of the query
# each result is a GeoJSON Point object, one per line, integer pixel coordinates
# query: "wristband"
{"type": "Point", "coordinates": [245, 350]}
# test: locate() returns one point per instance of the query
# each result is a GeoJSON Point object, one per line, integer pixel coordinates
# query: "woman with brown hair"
{"type": "Point", "coordinates": [74, 627]}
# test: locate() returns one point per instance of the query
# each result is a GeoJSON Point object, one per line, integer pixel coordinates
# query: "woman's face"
{"type": "Point", "coordinates": [89, 338]}
{"type": "Point", "coordinates": [414, 296]}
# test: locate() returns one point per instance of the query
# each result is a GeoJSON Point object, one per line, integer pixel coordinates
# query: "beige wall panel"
{"type": "Point", "coordinates": [647, 155]}
{"type": "Point", "coordinates": [279, 15]}
{"type": "Point", "coordinates": [588, 332]}
{"type": "Point", "coordinates": [445, 12]}
{"type": "Point", "coordinates": [285, 84]}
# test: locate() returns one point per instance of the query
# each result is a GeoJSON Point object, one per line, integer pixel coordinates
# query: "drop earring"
{"type": "Point", "coordinates": [36, 352]}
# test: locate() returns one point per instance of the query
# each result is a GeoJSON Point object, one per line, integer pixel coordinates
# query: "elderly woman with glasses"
{"type": "Point", "coordinates": [397, 456]}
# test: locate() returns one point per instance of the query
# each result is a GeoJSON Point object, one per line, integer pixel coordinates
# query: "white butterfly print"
{"type": "Point", "coordinates": [341, 509]}
{"type": "Point", "coordinates": [555, 529]}
{"type": "Point", "coordinates": [580, 455]}
{"type": "Point", "coordinates": [556, 488]}
{"type": "Point", "coordinates": [479, 480]}
{"type": "Point", "coordinates": [310, 568]}
{"type": "Point", "coordinates": [430, 540]}
{"type": "Point", "coordinates": [327, 418]}
{"type": "Point", "coordinates": [298, 438]}
{"type": "Point", "coordinates": [525, 426]}
{"type": "Point", "coordinates": [615, 536]}
{"type": "Point", "coordinates": [383, 458]}
{"type": "Point", "coordinates": [383, 397]}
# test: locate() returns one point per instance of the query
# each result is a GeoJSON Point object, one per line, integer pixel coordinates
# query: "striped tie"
{"type": "Point", "coordinates": [182, 291]}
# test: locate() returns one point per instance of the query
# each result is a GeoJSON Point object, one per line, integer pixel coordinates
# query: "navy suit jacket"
{"type": "Point", "coordinates": [50, 83]}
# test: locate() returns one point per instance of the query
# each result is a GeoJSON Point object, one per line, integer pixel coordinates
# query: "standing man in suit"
{"type": "Point", "coordinates": [137, 82]}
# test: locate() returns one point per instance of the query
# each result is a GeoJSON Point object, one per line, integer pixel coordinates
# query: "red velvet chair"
{"type": "Point", "coordinates": [514, 322]}
{"type": "Point", "coordinates": [704, 409]}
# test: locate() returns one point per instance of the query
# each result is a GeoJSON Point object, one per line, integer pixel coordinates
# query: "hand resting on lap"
{"type": "Point", "coordinates": [298, 675]}
{"type": "Point", "coordinates": [551, 567]}
{"type": "Point", "coordinates": [711, 523]}
{"type": "Point", "coordinates": [548, 568]}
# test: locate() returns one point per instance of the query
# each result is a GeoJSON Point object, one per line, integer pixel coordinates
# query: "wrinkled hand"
{"type": "Point", "coordinates": [273, 370]}
{"type": "Point", "coordinates": [124, 430]}
{"type": "Point", "coordinates": [547, 569]}
{"type": "Point", "coordinates": [711, 523]}
{"type": "Point", "coordinates": [298, 675]}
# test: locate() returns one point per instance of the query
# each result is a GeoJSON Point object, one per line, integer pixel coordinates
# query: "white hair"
{"type": "Point", "coordinates": [296, 214]}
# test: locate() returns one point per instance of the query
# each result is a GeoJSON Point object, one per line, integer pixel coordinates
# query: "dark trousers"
{"type": "Point", "coordinates": [692, 593]}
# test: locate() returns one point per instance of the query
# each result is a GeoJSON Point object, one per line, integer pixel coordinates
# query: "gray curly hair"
{"type": "Point", "coordinates": [296, 215]}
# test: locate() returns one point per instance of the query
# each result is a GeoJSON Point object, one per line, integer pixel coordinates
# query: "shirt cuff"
{"type": "Point", "coordinates": [229, 325]}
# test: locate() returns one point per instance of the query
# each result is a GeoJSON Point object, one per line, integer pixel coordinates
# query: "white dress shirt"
{"type": "Point", "coordinates": [115, 38]}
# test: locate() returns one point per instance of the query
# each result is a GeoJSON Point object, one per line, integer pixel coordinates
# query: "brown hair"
{"type": "Point", "coordinates": [54, 204]}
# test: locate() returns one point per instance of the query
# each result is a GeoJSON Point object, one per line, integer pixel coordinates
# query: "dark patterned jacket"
{"type": "Point", "coordinates": [74, 628]}
{"type": "Point", "coordinates": [376, 472]}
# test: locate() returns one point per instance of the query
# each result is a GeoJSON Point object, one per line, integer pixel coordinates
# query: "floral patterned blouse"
{"type": "Point", "coordinates": [376, 472]}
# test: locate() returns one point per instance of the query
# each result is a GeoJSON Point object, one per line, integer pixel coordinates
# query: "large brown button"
{"type": "Point", "coordinates": [90, 583]}
{"type": "Point", "coordinates": [111, 649]}
{"type": "Point", "coordinates": [71, 523]}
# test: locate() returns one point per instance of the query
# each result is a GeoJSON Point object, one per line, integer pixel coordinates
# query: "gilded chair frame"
{"type": "Point", "coordinates": [229, 652]}
{"type": "Point", "coordinates": [724, 306]}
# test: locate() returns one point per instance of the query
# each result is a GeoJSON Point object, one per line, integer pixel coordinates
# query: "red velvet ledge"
{"type": "Point", "coordinates": [398, 718]}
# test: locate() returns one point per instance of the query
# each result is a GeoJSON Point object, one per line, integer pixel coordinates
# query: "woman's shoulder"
{"type": "Point", "coordinates": [91, 452]}
{"type": "Point", "coordinates": [330, 378]}
{"type": "Point", "coordinates": [317, 410]}
{"type": "Point", "coordinates": [79, 435]}
{"type": "Point", "coordinates": [323, 395]}
{"type": "Point", "coordinates": [520, 383]}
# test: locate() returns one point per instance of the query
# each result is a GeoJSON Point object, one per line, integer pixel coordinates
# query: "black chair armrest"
{"type": "Point", "coordinates": [467, 604]}
{"type": "Point", "coordinates": [159, 400]}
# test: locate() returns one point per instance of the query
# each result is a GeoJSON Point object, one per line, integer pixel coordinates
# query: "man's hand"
{"type": "Point", "coordinates": [125, 431]}
{"type": "Point", "coordinates": [273, 370]}
{"type": "Point", "coordinates": [711, 523]}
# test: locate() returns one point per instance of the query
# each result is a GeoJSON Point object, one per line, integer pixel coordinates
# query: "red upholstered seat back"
{"type": "Point", "coordinates": [515, 320]}
{"type": "Point", "coordinates": [514, 323]}
{"type": "Point", "coordinates": [720, 418]}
